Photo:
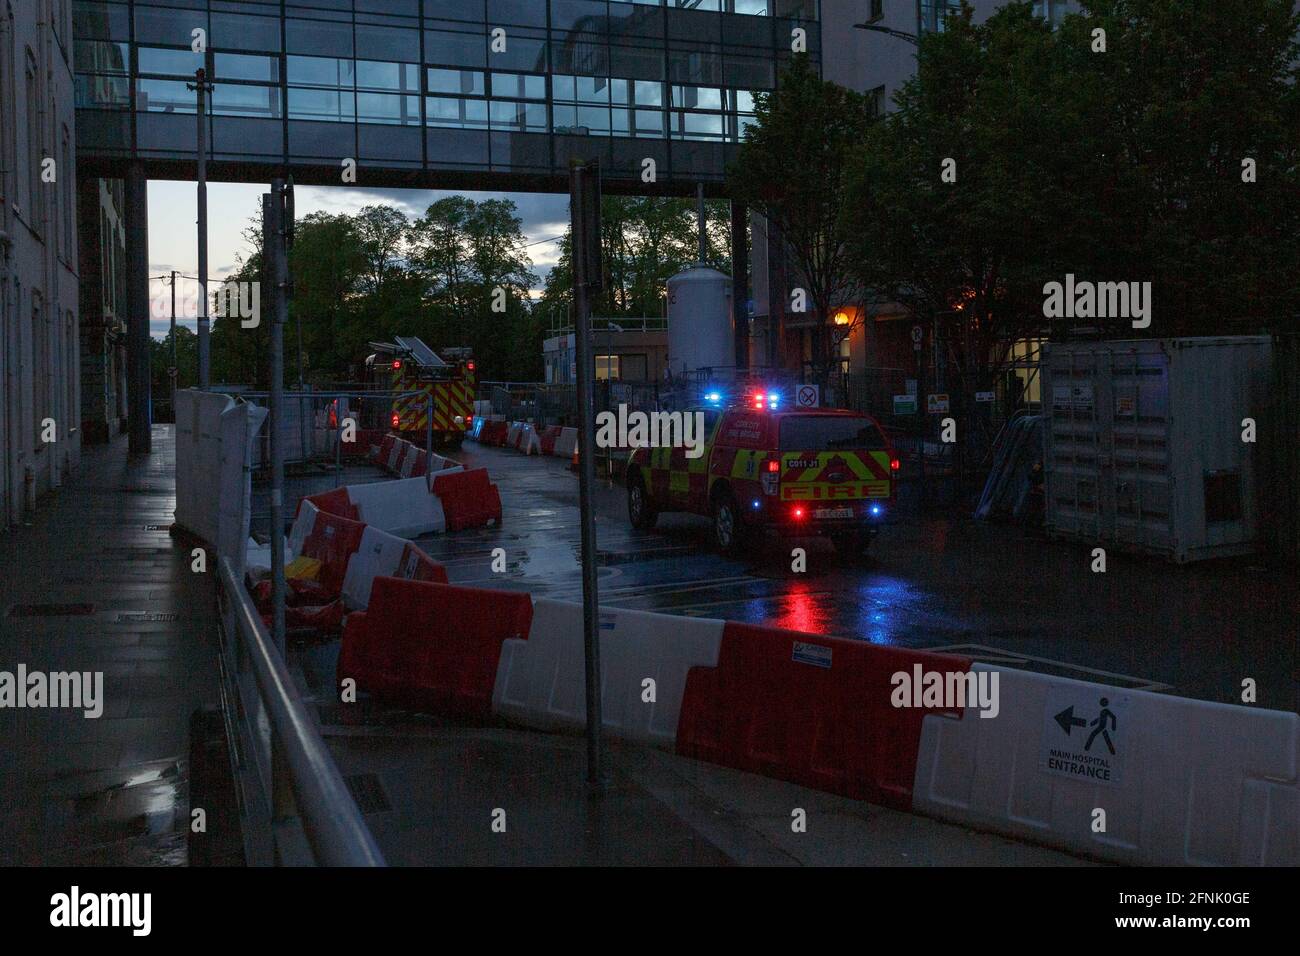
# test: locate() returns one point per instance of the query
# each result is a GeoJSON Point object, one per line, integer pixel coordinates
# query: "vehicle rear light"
{"type": "Point", "coordinates": [470, 366]}
{"type": "Point", "coordinates": [470, 421]}
{"type": "Point", "coordinates": [397, 364]}
{"type": "Point", "coordinates": [396, 419]}
{"type": "Point", "coordinates": [797, 514]}
{"type": "Point", "coordinates": [895, 464]}
{"type": "Point", "coordinates": [773, 465]}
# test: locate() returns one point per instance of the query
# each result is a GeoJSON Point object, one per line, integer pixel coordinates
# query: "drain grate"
{"type": "Point", "coordinates": [146, 617]}
{"type": "Point", "coordinates": [51, 610]}
{"type": "Point", "coordinates": [368, 792]}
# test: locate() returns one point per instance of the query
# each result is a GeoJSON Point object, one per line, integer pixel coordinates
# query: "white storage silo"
{"type": "Point", "coordinates": [701, 326]}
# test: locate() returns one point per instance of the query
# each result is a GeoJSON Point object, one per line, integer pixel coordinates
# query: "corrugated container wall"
{"type": "Point", "coordinates": [1282, 514]}
{"type": "Point", "coordinates": [1144, 444]}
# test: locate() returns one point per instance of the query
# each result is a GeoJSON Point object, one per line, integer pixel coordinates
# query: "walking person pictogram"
{"type": "Point", "coordinates": [1105, 716]}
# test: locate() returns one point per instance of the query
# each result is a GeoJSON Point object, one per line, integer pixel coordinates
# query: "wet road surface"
{"type": "Point", "coordinates": [996, 592]}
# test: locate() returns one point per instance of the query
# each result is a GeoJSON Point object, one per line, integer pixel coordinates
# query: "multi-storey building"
{"type": "Point", "coordinates": [40, 414]}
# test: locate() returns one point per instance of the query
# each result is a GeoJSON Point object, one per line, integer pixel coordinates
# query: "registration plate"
{"type": "Point", "coordinates": [833, 513]}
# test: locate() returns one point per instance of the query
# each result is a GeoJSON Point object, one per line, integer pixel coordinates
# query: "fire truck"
{"type": "Point", "coordinates": [408, 365]}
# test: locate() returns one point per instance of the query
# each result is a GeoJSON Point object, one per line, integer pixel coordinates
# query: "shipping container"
{"type": "Point", "coordinates": [1146, 443]}
{"type": "Point", "coordinates": [1282, 452]}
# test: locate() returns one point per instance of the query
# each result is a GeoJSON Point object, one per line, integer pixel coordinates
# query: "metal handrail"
{"type": "Point", "coordinates": [331, 820]}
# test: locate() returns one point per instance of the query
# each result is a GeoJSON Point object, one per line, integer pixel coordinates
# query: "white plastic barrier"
{"type": "Point", "coordinates": [380, 555]}
{"type": "Point", "coordinates": [238, 429]}
{"type": "Point", "coordinates": [566, 442]}
{"type": "Point", "coordinates": [198, 460]}
{"type": "Point", "coordinates": [413, 454]}
{"type": "Point", "coordinates": [404, 507]}
{"type": "Point", "coordinates": [1189, 782]}
{"type": "Point", "coordinates": [540, 682]}
{"type": "Point", "coordinates": [302, 527]}
{"type": "Point", "coordinates": [530, 443]}
{"type": "Point", "coordinates": [394, 454]}
{"type": "Point", "coordinates": [512, 434]}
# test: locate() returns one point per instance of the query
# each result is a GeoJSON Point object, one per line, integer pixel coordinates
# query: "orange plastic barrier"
{"type": "Point", "coordinates": [809, 709]}
{"type": "Point", "coordinates": [432, 647]}
{"type": "Point", "coordinates": [332, 541]}
{"type": "Point", "coordinates": [548, 438]}
{"type": "Point", "coordinates": [360, 445]}
{"type": "Point", "coordinates": [494, 433]}
{"type": "Point", "coordinates": [418, 566]}
{"type": "Point", "coordinates": [469, 499]}
{"type": "Point", "coordinates": [334, 502]}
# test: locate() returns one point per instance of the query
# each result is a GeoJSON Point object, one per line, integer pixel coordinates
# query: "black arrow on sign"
{"type": "Point", "coordinates": [1067, 720]}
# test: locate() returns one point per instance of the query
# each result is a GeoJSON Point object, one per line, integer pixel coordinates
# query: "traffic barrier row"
{"type": "Point", "coordinates": [1180, 781]}
{"type": "Point", "coordinates": [407, 460]}
{"type": "Point", "coordinates": [524, 436]}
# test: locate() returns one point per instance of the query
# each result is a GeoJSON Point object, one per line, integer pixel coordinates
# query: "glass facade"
{"type": "Point", "coordinates": [516, 87]}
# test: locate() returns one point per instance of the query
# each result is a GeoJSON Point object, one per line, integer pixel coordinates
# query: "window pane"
{"type": "Point", "coordinates": [325, 105]}
{"type": "Point", "coordinates": [388, 108]}
{"type": "Point", "coordinates": [169, 62]}
{"type": "Point", "coordinates": [466, 82]}
{"type": "Point", "coordinates": [164, 96]}
{"type": "Point", "coordinates": [374, 75]}
{"type": "Point", "coordinates": [229, 99]}
{"type": "Point", "coordinates": [101, 56]}
{"type": "Point", "coordinates": [449, 111]}
{"type": "Point", "coordinates": [239, 66]}
{"type": "Point", "coordinates": [320, 71]}
{"type": "Point", "coordinates": [319, 36]}
{"type": "Point", "coordinates": [524, 86]}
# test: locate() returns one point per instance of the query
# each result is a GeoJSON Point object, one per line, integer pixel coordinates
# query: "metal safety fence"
{"type": "Point", "coordinates": [297, 809]}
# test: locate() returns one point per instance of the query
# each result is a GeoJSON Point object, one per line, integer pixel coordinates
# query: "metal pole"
{"type": "Point", "coordinates": [702, 224]}
{"type": "Point", "coordinates": [586, 471]}
{"type": "Point", "coordinates": [428, 435]}
{"type": "Point", "coordinates": [136, 200]}
{"type": "Point", "coordinates": [272, 255]}
{"type": "Point", "coordinates": [175, 369]}
{"type": "Point", "coordinates": [201, 87]}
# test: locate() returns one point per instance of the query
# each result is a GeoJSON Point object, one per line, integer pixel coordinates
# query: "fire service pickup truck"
{"type": "Point", "coordinates": [795, 472]}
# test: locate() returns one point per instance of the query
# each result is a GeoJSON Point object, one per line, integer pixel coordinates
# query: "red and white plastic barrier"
{"type": "Point", "coordinates": [469, 499]}
{"type": "Point", "coordinates": [1190, 782]}
{"type": "Point", "coordinates": [566, 443]}
{"type": "Point", "coordinates": [644, 658]}
{"type": "Point", "coordinates": [434, 647]}
{"type": "Point", "coordinates": [809, 709]}
{"type": "Point", "coordinates": [384, 555]}
{"type": "Point", "coordinates": [403, 507]}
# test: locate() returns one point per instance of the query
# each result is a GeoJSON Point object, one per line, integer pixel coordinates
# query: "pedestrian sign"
{"type": "Point", "coordinates": [1085, 732]}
